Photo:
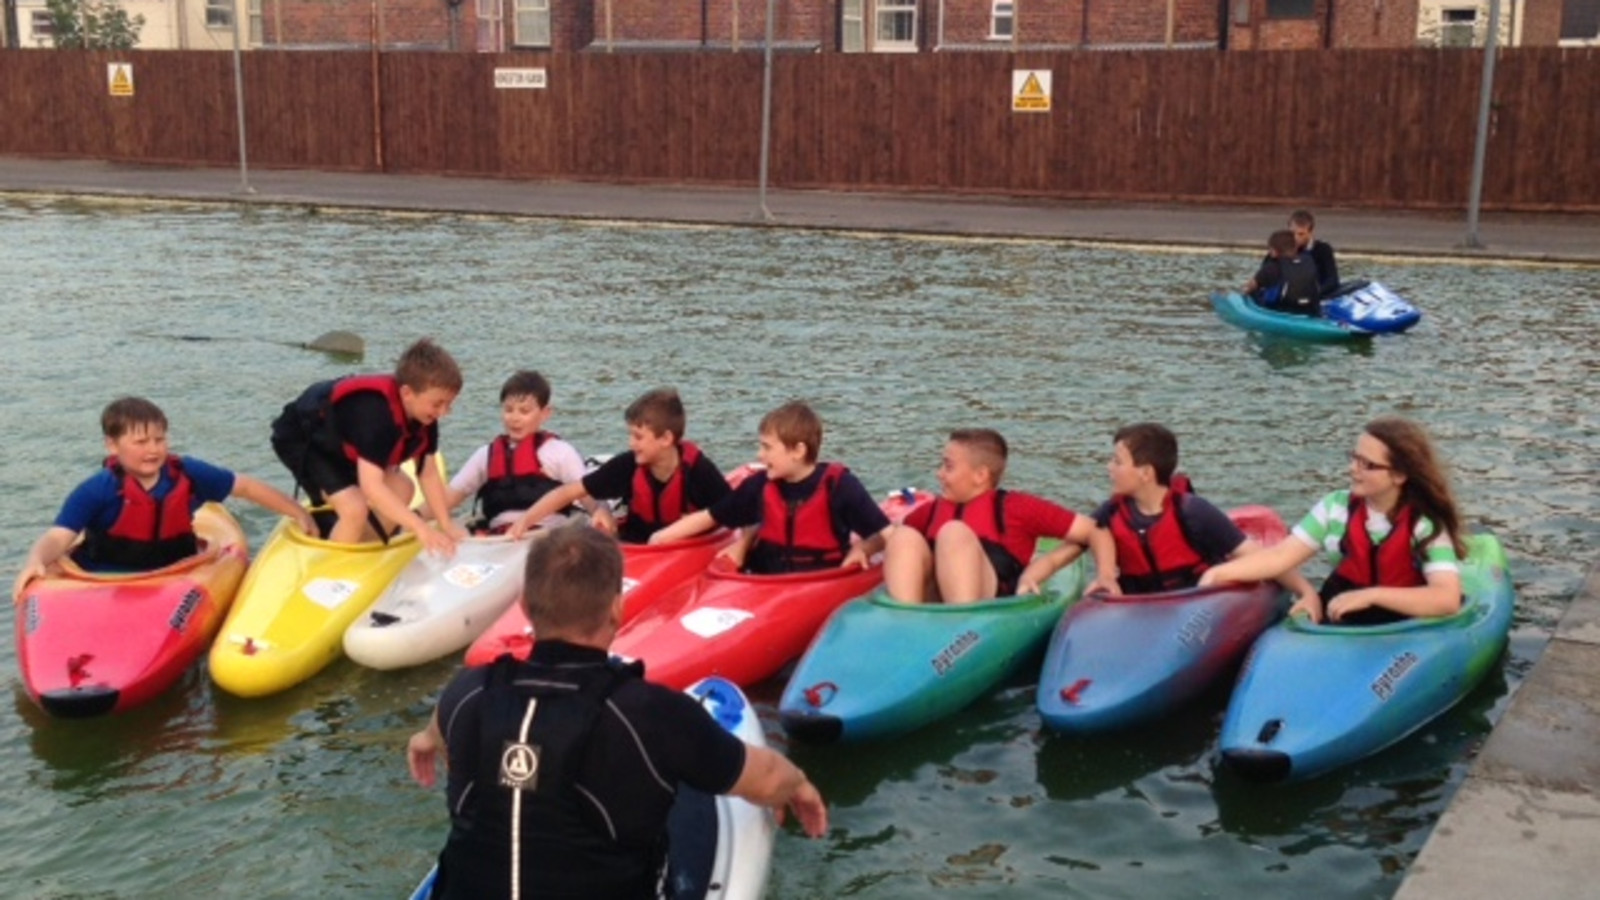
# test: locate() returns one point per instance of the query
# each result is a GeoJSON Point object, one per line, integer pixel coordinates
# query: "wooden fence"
{"type": "Point", "coordinates": [1371, 128]}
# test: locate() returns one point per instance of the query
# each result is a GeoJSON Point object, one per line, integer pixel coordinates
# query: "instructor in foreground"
{"type": "Point", "coordinates": [561, 770]}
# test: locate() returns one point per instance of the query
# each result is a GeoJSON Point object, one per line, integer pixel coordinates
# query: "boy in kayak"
{"type": "Point", "coordinates": [1304, 225]}
{"type": "Point", "coordinates": [521, 466]}
{"type": "Point", "coordinates": [1397, 485]}
{"type": "Point", "coordinates": [1287, 279]}
{"type": "Point", "coordinates": [137, 512]}
{"type": "Point", "coordinates": [800, 512]}
{"type": "Point", "coordinates": [661, 477]}
{"type": "Point", "coordinates": [344, 441]}
{"type": "Point", "coordinates": [1155, 534]}
{"type": "Point", "coordinates": [975, 541]}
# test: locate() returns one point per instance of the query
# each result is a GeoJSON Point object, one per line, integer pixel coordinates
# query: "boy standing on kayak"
{"type": "Point", "coordinates": [523, 465]}
{"type": "Point", "coordinates": [974, 542]}
{"type": "Point", "coordinates": [137, 512]}
{"type": "Point", "coordinates": [800, 512]}
{"type": "Point", "coordinates": [344, 441]}
{"type": "Point", "coordinates": [1155, 534]}
{"type": "Point", "coordinates": [661, 477]}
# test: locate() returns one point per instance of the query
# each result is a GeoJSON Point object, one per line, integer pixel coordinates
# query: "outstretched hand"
{"type": "Point", "coordinates": [422, 755]}
{"type": "Point", "coordinates": [809, 810]}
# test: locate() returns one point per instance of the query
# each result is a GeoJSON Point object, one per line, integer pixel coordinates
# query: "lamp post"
{"type": "Point", "coordinates": [766, 111]}
{"type": "Point", "coordinates": [238, 102]}
{"type": "Point", "coordinates": [1481, 145]}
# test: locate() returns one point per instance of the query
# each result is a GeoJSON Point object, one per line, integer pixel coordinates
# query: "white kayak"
{"type": "Point", "coordinates": [720, 847]}
{"type": "Point", "coordinates": [436, 607]}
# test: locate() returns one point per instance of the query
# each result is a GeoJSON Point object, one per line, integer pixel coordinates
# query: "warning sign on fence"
{"type": "Point", "coordinates": [1030, 90]}
{"type": "Point", "coordinates": [119, 78]}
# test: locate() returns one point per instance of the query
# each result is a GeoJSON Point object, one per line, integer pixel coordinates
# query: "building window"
{"type": "Point", "coordinates": [491, 35]}
{"type": "Point", "coordinates": [852, 26]}
{"type": "Point", "coordinates": [44, 27]}
{"type": "Point", "coordinates": [257, 24]}
{"type": "Point", "coordinates": [1458, 27]}
{"type": "Point", "coordinates": [1003, 20]}
{"type": "Point", "coordinates": [897, 25]}
{"type": "Point", "coordinates": [532, 25]}
{"type": "Point", "coordinates": [219, 13]}
{"type": "Point", "coordinates": [1291, 9]}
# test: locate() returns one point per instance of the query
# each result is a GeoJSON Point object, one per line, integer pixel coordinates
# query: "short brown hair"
{"type": "Point", "coordinates": [795, 423]}
{"type": "Point", "coordinates": [1150, 444]}
{"type": "Point", "coordinates": [573, 576]}
{"type": "Point", "coordinates": [660, 410]}
{"type": "Point", "coordinates": [526, 383]}
{"type": "Point", "coordinates": [1303, 217]}
{"type": "Point", "coordinates": [124, 414]}
{"type": "Point", "coordinates": [426, 365]}
{"type": "Point", "coordinates": [987, 447]}
{"type": "Point", "coordinates": [1282, 243]}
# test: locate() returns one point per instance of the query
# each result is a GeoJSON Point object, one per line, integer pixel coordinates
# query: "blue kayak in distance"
{"type": "Point", "coordinates": [1312, 698]}
{"type": "Point", "coordinates": [720, 847]}
{"type": "Point", "coordinates": [1241, 312]}
{"type": "Point", "coordinates": [1371, 307]}
{"type": "Point", "coordinates": [880, 667]}
{"type": "Point", "coordinates": [1117, 662]}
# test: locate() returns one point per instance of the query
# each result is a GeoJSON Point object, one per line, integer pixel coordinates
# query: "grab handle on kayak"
{"type": "Point", "coordinates": [78, 668]}
{"type": "Point", "coordinates": [815, 694]}
{"type": "Point", "coordinates": [1074, 692]}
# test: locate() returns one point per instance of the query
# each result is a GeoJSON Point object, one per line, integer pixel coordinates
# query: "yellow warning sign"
{"type": "Point", "coordinates": [119, 76]}
{"type": "Point", "coordinates": [1030, 90]}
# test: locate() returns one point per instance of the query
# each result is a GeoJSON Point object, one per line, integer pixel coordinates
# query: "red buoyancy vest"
{"type": "Point", "coordinates": [804, 532]}
{"type": "Point", "coordinates": [413, 443]}
{"type": "Point", "coordinates": [1391, 562]}
{"type": "Point", "coordinates": [147, 534]}
{"type": "Point", "coordinates": [1160, 558]}
{"type": "Point", "coordinates": [984, 514]}
{"type": "Point", "coordinates": [516, 479]}
{"type": "Point", "coordinates": [673, 502]}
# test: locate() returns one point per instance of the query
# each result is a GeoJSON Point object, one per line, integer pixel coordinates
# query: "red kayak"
{"type": "Point", "coordinates": [649, 573]}
{"type": "Point", "coordinates": [94, 643]}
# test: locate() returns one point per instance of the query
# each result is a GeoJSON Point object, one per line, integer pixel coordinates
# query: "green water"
{"type": "Point", "coordinates": [895, 341]}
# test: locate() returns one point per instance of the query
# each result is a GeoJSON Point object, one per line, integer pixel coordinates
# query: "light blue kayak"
{"type": "Point", "coordinates": [880, 667]}
{"type": "Point", "coordinates": [721, 847]}
{"type": "Point", "coordinates": [1239, 311]}
{"type": "Point", "coordinates": [1115, 662]}
{"type": "Point", "coordinates": [1312, 698]}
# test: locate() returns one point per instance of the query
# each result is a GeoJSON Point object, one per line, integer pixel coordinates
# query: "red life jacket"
{"type": "Point", "coordinates": [413, 443]}
{"type": "Point", "coordinates": [1161, 557]}
{"type": "Point", "coordinates": [797, 537]}
{"type": "Point", "coordinates": [148, 533]}
{"type": "Point", "coordinates": [1391, 562]}
{"type": "Point", "coordinates": [672, 503]}
{"type": "Point", "coordinates": [984, 514]}
{"type": "Point", "coordinates": [516, 480]}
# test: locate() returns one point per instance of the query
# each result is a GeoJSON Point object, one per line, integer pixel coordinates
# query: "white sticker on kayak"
{"type": "Point", "coordinates": [329, 593]}
{"type": "Point", "coordinates": [470, 575]}
{"type": "Point", "coordinates": [709, 622]}
{"type": "Point", "coordinates": [628, 584]}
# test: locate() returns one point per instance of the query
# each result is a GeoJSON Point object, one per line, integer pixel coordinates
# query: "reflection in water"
{"type": "Point", "coordinates": [895, 341]}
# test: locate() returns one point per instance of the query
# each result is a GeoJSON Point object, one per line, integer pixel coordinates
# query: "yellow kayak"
{"type": "Point", "coordinates": [301, 593]}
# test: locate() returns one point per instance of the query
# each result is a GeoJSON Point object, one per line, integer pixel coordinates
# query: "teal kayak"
{"type": "Point", "coordinates": [1239, 311]}
{"type": "Point", "coordinates": [880, 667]}
{"type": "Point", "coordinates": [1312, 698]}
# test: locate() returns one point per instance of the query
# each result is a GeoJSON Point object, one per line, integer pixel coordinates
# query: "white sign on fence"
{"type": "Point", "coordinates": [119, 79]}
{"type": "Point", "coordinates": [520, 78]}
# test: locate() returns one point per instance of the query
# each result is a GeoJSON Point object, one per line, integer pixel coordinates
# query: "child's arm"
{"type": "Point", "coordinates": [548, 505]}
{"type": "Point", "coordinates": [434, 492]}
{"type": "Point", "coordinates": [736, 552]}
{"type": "Point", "coordinates": [265, 495]}
{"type": "Point", "coordinates": [1106, 570]}
{"type": "Point", "coordinates": [373, 482]}
{"type": "Point", "coordinates": [686, 527]}
{"type": "Point", "coordinates": [861, 552]}
{"type": "Point", "coordinates": [1038, 571]}
{"type": "Point", "coordinates": [1306, 600]}
{"type": "Point", "coordinates": [51, 546]}
{"type": "Point", "coordinates": [1272, 562]}
{"type": "Point", "coordinates": [1441, 596]}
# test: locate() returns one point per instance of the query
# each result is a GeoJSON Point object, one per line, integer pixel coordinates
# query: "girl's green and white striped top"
{"type": "Point", "coordinates": [1324, 526]}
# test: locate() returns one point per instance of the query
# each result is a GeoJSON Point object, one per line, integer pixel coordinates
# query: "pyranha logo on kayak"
{"type": "Point", "coordinates": [1197, 629]}
{"type": "Point", "coordinates": [1384, 686]}
{"type": "Point", "coordinates": [180, 616]}
{"type": "Point", "coordinates": [958, 648]}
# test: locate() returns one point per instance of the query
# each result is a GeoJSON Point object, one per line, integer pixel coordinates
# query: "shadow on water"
{"type": "Point", "coordinates": [1281, 352]}
{"type": "Point", "coordinates": [1081, 767]}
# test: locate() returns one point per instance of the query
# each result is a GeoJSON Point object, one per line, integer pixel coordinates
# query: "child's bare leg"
{"type": "Point", "coordinates": [351, 508]}
{"type": "Point", "coordinates": [402, 487]}
{"type": "Point", "coordinates": [963, 570]}
{"type": "Point", "coordinates": [907, 565]}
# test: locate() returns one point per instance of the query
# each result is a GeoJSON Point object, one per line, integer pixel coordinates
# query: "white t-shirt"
{"type": "Point", "coordinates": [558, 459]}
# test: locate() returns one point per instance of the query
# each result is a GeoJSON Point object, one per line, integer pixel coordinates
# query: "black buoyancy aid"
{"type": "Point", "coordinates": [1300, 288]}
{"type": "Point", "coordinates": [657, 509]}
{"type": "Point", "coordinates": [148, 533]}
{"type": "Point", "coordinates": [526, 791]}
{"type": "Point", "coordinates": [413, 443]}
{"type": "Point", "coordinates": [802, 535]}
{"type": "Point", "coordinates": [515, 480]}
{"type": "Point", "coordinates": [985, 515]}
{"type": "Point", "coordinates": [1161, 557]}
{"type": "Point", "coordinates": [1391, 562]}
